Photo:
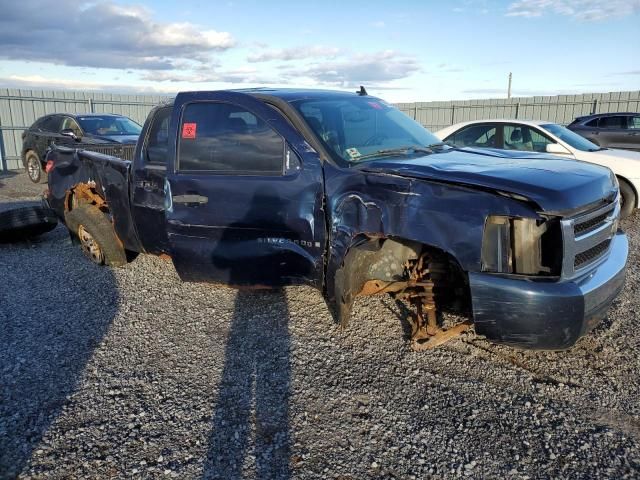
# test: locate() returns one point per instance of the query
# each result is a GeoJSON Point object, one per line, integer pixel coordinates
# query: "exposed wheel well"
{"type": "Point", "coordinates": [374, 264]}
{"type": "Point", "coordinates": [623, 179]}
{"type": "Point", "coordinates": [84, 194]}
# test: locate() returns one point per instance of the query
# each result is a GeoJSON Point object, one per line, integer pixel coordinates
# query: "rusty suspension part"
{"type": "Point", "coordinates": [418, 292]}
{"type": "Point", "coordinates": [425, 333]}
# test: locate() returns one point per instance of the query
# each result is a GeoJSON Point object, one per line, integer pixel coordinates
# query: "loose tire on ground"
{"type": "Point", "coordinates": [627, 200]}
{"type": "Point", "coordinates": [95, 233]}
{"type": "Point", "coordinates": [26, 222]}
{"type": "Point", "coordinates": [35, 172]}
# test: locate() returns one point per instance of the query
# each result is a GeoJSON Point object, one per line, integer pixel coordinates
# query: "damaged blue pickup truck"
{"type": "Point", "coordinates": [273, 187]}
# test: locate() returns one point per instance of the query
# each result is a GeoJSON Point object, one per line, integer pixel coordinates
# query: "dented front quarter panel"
{"type": "Point", "coordinates": [449, 217]}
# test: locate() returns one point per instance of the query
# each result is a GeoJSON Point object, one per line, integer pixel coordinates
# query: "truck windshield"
{"type": "Point", "coordinates": [572, 138]}
{"type": "Point", "coordinates": [358, 129]}
{"type": "Point", "coordinates": [109, 126]}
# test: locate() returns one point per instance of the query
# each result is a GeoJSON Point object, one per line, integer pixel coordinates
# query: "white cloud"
{"type": "Point", "coordinates": [102, 34]}
{"type": "Point", "coordinates": [587, 10]}
{"type": "Point", "coordinates": [39, 81]}
{"type": "Point", "coordinates": [380, 67]}
{"type": "Point", "coordinates": [294, 53]}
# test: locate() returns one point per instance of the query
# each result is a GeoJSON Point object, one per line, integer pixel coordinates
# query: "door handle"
{"type": "Point", "coordinates": [190, 199]}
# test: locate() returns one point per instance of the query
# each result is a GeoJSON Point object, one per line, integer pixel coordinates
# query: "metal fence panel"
{"type": "Point", "coordinates": [560, 109]}
{"type": "Point", "coordinates": [20, 108]}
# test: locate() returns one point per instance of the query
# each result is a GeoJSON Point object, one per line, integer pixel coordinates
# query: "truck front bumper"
{"type": "Point", "coordinates": [547, 315]}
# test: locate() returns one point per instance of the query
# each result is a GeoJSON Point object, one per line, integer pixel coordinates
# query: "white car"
{"type": "Point", "coordinates": [548, 137]}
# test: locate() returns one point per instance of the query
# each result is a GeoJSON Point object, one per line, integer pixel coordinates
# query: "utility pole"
{"type": "Point", "coordinates": [509, 89]}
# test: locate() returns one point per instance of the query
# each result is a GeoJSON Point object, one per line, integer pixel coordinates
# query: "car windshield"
{"type": "Point", "coordinates": [572, 138]}
{"type": "Point", "coordinates": [359, 129]}
{"type": "Point", "coordinates": [109, 126]}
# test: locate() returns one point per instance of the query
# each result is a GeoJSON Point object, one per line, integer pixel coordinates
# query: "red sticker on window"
{"type": "Point", "coordinates": [189, 130]}
{"type": "Point", "coordinates": [375, 105]}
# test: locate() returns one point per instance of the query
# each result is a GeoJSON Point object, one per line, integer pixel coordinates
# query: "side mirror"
{"type": "Point", "coordinates": [556, 149]}
{"type": "Point", "coordinates": [67, 132]}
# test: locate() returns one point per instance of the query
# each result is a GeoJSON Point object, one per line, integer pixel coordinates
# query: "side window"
{"type": "Point", "coordinates": [37, 125]}
{"type": "Point", "coordinates": [522, 137]}
{"type": "Point", "coordinates": [225, 138]}
{"type": "Point", "coordinates": [613, 122]}
{"type": "Point", "coordinates": [475, 136]}
{"type": "Point", "coordinates": [592, 123]}
{"type": "Point", "coordinates": [539, 141]}
{"type": "Point", "coordinates": [158, 138]}
{"type": "Point", "coordinates": [51, 124]}
{"type": "Point", "coordinates": [634, 122]}
{"type": "Point", "coordinates": [70, 123]}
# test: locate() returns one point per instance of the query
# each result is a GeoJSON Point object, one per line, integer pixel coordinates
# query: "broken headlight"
{"type": "Point", "coordinates": [526, 246]}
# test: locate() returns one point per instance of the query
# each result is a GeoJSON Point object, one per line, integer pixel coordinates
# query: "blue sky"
{"type": "Point", "coordinates": [400, 50]}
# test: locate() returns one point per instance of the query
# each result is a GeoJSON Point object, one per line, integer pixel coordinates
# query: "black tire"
{"type": "Point", "coordinates": [97, 238]}
{"type": "Point", "coordinates": [26, 222]}
{"type": "Point", "coordinates": [35, 171]}
{"type": "Point", "coordinates": [627, 199]}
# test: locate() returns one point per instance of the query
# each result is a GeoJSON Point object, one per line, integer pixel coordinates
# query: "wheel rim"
{"type": "Point", "coordinates": [90, 246]}
{"type": "Point", "coordinates": [33, 169]}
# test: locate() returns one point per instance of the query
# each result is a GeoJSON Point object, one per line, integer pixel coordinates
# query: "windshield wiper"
{"type": "Point", "coordinates": [397, 151]}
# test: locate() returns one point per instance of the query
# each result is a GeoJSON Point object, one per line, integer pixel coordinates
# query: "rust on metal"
{"type": "Point", "coordinates": [85, 193]}
{"type": "Point", "coordinates": [418, 291]}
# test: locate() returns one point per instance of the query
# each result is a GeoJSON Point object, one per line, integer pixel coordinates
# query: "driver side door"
{"type": "Point", "coordinates": [245, 194]}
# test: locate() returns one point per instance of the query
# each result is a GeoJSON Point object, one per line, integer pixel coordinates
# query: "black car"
{"type": "Point", "coordinates": [72, 129]}
{"type": "Point", "coordinates": [613, 130]}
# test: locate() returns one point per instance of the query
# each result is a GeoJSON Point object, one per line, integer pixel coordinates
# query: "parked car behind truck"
{"type": "Point", "coordinates": [343, 192]}
{"type": "Point", "coordinates": [549, 137]}
{"type": "Point", "coordinates": [90, 130]}
{"type": "Point", "coordinates": [612, 130]}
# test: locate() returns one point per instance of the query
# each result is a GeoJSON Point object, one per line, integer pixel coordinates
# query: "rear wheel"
{"type": "Point", "coordinates": [96, 235]}
{"type": "Point", "coordinates": [627, 199]}
{"type": "Point", "coordinates": [35, 172]}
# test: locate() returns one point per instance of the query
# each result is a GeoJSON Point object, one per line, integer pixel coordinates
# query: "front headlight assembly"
{"type": "Point", "coordinates": [525, 246]}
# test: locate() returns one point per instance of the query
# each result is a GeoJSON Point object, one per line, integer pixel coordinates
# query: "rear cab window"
{"type": "Point", "coordinates": [156, 146]}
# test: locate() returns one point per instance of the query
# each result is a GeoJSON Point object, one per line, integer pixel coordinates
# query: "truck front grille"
{"type": "Point", "coordinates": [587, 238]}
{"type": "Point", "coordinates": [589, 225]}
{"type": "Point", "coordinates": [592, 254]}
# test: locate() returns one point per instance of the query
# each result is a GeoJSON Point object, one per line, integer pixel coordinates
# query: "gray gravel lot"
{"type": "Point", "coordinates": [130, 373]}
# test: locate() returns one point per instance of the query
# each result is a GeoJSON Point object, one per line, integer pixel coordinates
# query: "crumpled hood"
{"type": "Point", "coordinates": [555, 184]}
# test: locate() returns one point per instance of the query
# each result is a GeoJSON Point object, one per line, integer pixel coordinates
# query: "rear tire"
{"type": "Point", "coordinates": [35, 172]}
{"type": "Point", "coordinates": [627, 199]}
{"type": "Point", "coordinates": [26, 222]}
{"type": "Point", "coordinates": [96, 235]}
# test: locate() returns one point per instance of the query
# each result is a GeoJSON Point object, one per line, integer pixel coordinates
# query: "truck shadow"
{"type": "Point", "coordinates": [250, 431]}
{"type": "Point", "coordinates": [253, 401]}
{"type": "Point", "coordinates": [55, 308]}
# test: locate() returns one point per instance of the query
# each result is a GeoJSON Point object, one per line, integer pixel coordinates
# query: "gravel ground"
{"type": "Point", "coordinates": [130, 373]}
